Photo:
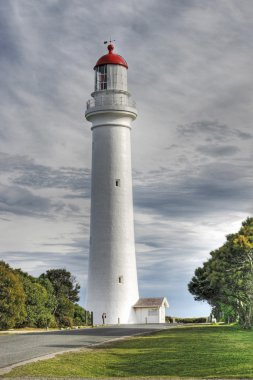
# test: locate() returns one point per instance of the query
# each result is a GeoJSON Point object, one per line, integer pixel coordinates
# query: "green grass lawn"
{"type": "Point", "coordinates": [198, 351]}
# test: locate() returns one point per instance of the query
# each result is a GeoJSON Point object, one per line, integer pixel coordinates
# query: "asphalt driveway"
{"type": "Point", "coordinates": [17, 348]}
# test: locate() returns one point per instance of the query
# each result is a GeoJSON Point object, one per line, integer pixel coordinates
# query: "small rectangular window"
{"type": "Point", "coordinates": [120, 279]}
{"type": "Point", "coordinates": [117, 182]}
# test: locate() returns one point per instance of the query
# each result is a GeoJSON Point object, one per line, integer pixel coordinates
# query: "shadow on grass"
{"type": "Point", "coordinates": [202, 352]}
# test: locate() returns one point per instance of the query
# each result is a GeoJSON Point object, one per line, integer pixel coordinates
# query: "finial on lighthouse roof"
{"type": "Point", "coordinates": [111, 58]}
{"type": "Point", "coordinates": [110, 47]}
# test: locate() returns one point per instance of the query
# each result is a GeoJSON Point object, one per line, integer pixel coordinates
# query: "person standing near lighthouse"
{"type": "Point", "coordinates": [112, 287]}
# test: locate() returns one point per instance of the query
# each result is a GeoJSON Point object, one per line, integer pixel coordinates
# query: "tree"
{"type": "Point", "coordinates": [64, 284]}
{"type": "Point", "coordinates": [51, 302]}
{"type": "Point", "coordinates": [225, 313]}
{"type": "Point", "coordinates": [12, 298]}
{"type": "Point", "coordinates": [38, 303]}
{"type": "Point", "coordinates": [65, 291]}
{"type": "Point", "coordinates": [226, 279]}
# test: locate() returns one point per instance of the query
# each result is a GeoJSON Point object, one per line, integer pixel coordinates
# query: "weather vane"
{"type": "Point", "coordinates": [106, 42]}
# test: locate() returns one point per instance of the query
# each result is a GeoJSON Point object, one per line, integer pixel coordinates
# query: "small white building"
{"type": "Point", "coordinates": [151, 310]}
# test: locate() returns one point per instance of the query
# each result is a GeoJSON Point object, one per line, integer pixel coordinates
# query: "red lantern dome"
{"type": "Point", "coordinates": [111, 58]}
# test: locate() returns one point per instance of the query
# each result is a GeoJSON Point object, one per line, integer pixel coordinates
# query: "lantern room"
{"type": "Point", "coordinates": [111, 72]}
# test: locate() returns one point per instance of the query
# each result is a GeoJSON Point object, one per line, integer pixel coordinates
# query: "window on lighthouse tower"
{"type": "Point", "coordinates": [120, 279]}
{"type": "Point", "coordinates": [101, 78]}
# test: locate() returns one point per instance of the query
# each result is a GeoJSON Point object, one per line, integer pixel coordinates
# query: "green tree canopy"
{"type": "Point", "coordinates": [65, 291]}
{"type": "Point", "coordinates": [38, 307]}
{"type": "Point", "coordinates": [38, 302]}
{"type": "Point", "coordinates": [12, 298]}
{"type": "Point", "coordinates": [64, 284]}
{"type": "Point", "coordinates": [227, 277]}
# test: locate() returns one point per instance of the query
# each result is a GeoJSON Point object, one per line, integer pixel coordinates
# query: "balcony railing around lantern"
{"type": "Point", "coordinates": [111, 100]}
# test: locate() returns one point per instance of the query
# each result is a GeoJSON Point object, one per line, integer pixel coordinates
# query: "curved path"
{"type": "Point", "coordinates": [18, 348]}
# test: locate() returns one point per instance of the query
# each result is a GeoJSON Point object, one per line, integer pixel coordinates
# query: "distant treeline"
{"type": "Point", "coordinates": [185, 320]}
{"type": "Point", "coordinates": [47, 301]}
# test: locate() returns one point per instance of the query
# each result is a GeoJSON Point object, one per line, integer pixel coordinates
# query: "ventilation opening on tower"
{"type": "Point", "coordinates": [117, 182]}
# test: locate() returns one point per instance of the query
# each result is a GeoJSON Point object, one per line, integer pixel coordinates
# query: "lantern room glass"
{"type": "Point", "coordinates": [101, 78]}
{"type": "Point", "coordinates": [110, 77]}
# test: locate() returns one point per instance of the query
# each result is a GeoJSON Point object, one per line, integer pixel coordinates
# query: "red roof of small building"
{"type": "Point", "coordinates": [111, 58]}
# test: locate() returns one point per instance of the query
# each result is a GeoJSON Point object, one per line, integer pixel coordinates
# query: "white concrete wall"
{"type": "Point", "coordinates": [141, 315]}
{"type": "Point", "coordinates": [162, 314]}
{"type": "Point", "coordinates": [148, 315]}
{"type": "Point", "coordinates": [112, 244]}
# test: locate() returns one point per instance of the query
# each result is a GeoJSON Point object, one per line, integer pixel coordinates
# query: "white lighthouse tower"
{"type": "Point", "coordinates": [112, 288]}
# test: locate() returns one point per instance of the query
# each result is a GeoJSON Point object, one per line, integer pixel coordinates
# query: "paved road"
{"type": "Point", "coordinates": [17, 348]}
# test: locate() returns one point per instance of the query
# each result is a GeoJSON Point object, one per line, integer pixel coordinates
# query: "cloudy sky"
{"type": "Point", "coordinates": [190, 72]}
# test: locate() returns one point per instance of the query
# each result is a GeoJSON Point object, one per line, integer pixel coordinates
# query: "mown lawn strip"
{"type": "Point", "coordinates": [197, 351]}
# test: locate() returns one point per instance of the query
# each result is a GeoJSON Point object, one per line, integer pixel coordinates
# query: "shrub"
{"type": "Point", "coordinates": [81, 316]}
{"type": "Point", "coordinates": [191, 320]}
{"type": "Point", "coordinates": [65, 321]}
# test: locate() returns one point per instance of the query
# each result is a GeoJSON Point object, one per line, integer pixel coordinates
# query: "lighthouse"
{"type": "Point", "coordinates": [112, 287]}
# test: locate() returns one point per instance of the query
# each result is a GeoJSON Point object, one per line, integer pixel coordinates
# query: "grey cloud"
{"type": "Point", "coordinates": [20, 201]}
{"type": "Point", "coordinates": [171, 283]}
{"type": "Point", "coordinates": [25, 181]}
{"type": "Point", "coordinates": [172, 274]}
{"type": "Point", "coordinates": [76, 195]}
{"type": "Point", "coordinates": [162, 243]}
{"type": "Point", "coordinates": [243, 135]}
{"type": "Point", "coordinates": [220, 150]}
{"type": "Point", "coordinates": [17, 200]}
{"type": "Point", "coordinates": [37, 261]}
{"type": "Point", "coordinates": [212, 188]}
{"type": "Point", "coordinates": [172, 146]}
{"type": "Point", "coordinates": [39, 176]}
{"type": "Point", "coordinates": [5, 219]}
{"type": "Point", "coordinates": [10, 163]}
{"type": "Point", "coordinates": [212, 130]}
{"type": "Point", "coordinates": [25, 172]}
{"type": "Point", "coordinates": [74, 208]}
{"type": "Point", "coordinates": [9, 49]}
{"type": "Point", "coordinates": [77, 243]}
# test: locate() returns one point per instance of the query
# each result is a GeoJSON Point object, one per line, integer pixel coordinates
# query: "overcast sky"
{"type": "Point", "coordinates": [190, 72]}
